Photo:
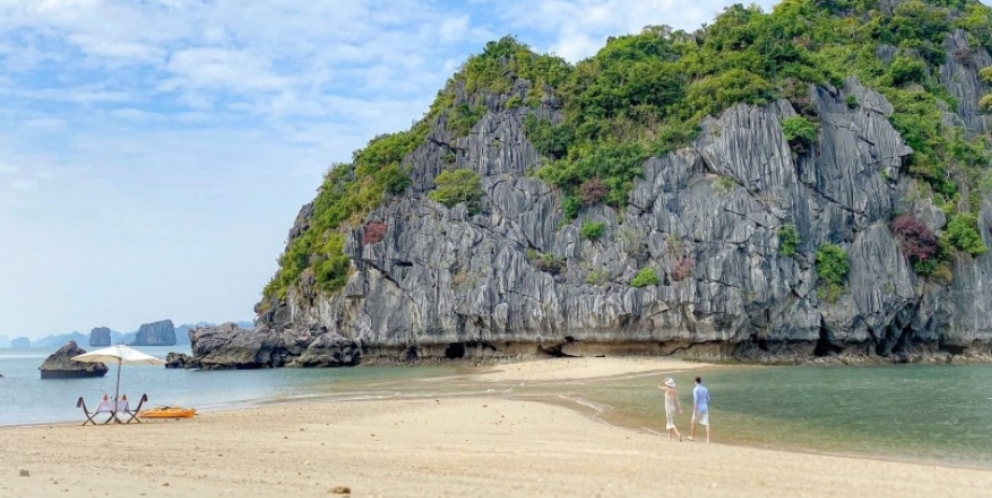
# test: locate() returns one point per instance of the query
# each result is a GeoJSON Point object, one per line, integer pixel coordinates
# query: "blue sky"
{"type": "Point", "coordinates": [154, 153]}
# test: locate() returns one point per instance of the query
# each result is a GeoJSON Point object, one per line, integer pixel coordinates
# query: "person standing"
{"type": "Point", "coordinates": [671, 404]}
{"type": "Point", "coordinates": [700, 409]}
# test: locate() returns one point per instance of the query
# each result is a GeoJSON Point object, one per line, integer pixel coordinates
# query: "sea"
{"type": "Point", "coordinates": [939, 414]}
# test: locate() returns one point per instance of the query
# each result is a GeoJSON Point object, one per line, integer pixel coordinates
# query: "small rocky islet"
{"type": "Point", "coordinates": [805, 184]}
{"type": "Point", "coordinates": [59, 365]}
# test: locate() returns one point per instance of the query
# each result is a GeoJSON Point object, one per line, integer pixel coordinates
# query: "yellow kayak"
{"type": "Point", "coordinates": [168, 412]}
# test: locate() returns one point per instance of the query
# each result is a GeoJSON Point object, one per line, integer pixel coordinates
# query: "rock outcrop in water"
{"type": "Point", "coordinates": [229, 346]}
{"type": "Point", "coordinates": [100, 337]}
{"type": "Point", "coordinates": [20, 343]}
{"type": "Point", "coordinates": [178, 360]}
{"type": "Point", "coordinates": [161, 333]}
{"type": "Point", "coordinates": [518, 277]}
{"type": "Point", "coordinates": [59, 364]}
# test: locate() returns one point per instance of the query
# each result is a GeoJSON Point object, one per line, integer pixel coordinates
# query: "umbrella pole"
{"type": "Point", "coordinates": [117, 391]}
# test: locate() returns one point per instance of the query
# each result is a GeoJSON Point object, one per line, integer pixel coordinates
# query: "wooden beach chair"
{"type": "Point", "coordinates": [103, 407]}
{"type": "Point", "coordinates": [89, 416]}
{"type": "Point", "coordinates": [134, 413]}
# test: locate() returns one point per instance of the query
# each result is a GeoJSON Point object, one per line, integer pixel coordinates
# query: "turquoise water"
{"type": "Point", "coordinates": [29, 400]}
{"type": "Point", "coordinates": [931, 413]}
{"type": "Point", "coordinates": [936, 413]}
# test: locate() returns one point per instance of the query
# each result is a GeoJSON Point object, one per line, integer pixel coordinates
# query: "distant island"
{"type": "Point", "coordinates": [160, 333]}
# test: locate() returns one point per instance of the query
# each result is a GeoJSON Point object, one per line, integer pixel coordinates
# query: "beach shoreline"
{"type": "Point", "coordinates": [476, 445]}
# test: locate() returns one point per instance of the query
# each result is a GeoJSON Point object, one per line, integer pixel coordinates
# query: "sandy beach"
{"type": "Point", "coordinates": [464, 446]}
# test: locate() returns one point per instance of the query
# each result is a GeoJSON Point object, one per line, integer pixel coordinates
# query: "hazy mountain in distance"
{"type": "Point", "coordinates": [58, 340]}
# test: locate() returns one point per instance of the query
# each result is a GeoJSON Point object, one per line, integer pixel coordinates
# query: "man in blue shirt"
{"type": "Point", "coordinates": [700, 409]}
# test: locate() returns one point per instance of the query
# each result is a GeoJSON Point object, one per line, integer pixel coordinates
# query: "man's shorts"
{"type": "Point", "coordinates": [701, 417]}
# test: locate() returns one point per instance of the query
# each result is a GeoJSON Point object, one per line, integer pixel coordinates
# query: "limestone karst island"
{"type": "Point", "coordinates": [807, 183]}
{"type": "Point", "coordinates": [749, 259]}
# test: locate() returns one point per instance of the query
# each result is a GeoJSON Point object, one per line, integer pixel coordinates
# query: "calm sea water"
{"type": "Point", "coordinates": [29, 400]}
{"type": "Point", "coordinates": [933, 413]}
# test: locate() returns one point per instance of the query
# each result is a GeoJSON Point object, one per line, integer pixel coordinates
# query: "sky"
{"type": "Point", "coordinates": [154, 153]}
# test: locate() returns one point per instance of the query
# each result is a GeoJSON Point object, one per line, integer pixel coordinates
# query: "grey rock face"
{"type": "Point", "coordinates": [443, 283]}
{"type": "Point", "coordinates": [959, 74]}
{"type": "Point", "coordinates": [179, 360]}
{"type": "Point", "coordinates": [60, 366]}
{"type": "Point", "coordinates": [100, 337]}
{"type": "Point", "coordinates": [161, 333]}
{"type": "Point", "coordinates": [20, 343]}
{"type": "Point", "coordinates": [229, 346]}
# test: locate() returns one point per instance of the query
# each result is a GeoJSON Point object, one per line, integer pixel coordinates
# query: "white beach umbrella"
{"type": "Point", "coordinates": [122, 355]}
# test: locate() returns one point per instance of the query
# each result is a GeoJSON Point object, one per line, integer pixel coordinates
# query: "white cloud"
{"type": "Point", "coordinates": [580, 27]}
{"type": "Point", "coordinates": [218, 68]}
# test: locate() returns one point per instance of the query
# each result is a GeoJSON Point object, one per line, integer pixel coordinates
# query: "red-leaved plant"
{"type": "Point", "coordinates": [682, 268]}
{"type": "Point", "coordinates": [919, 244]}
{"type": "Point", "coordinates": [374, 232]}
{"type": "Point", "coordinates": [593, 191]}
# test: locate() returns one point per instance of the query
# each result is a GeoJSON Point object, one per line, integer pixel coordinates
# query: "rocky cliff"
{"type": "Point", "coordinates": [790, 228]}
{"type": "Point", "coordinates": [161, 333]}
{"type": "Point", "coordinates": [100, 337]}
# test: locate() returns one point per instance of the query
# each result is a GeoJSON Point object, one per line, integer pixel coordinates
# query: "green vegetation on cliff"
{"type": "Point", "coordinates": [348, 193]}
{"type": "Point", "coordinates": [645, 94]}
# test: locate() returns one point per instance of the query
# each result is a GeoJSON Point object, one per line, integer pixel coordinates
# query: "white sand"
{"type": "Point", "coordinates": [561, 369]}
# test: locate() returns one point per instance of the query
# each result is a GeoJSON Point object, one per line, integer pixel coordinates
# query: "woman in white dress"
{"type": "Point", "coordinates": [671, 404]}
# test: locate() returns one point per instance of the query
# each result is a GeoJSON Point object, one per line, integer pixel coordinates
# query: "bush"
{"type": "Point", "coordinates": [942, 274]}
{"type": "Point", "coordinates": [550, 140]}
{"type": "Point", "coordinates": [682, 268]}
{"type": "Point", "coordinates": [918, 242]}
{"type": "Point", "coordinates": [593, 191]}
{"type": "Point", "coordinates": [644, 278]}
{"type": "Point", "coordinates": [832, 264]}
{"type": "Point", "coordinates": [788, 240]}
{"type": "Point", "coordinates": [457, 186]}
{"type": "Point", "coordinates": [985, 104]}
{"type": "Point", "coordinates": [332, 267]}
{"type": "Point", "coordinates": [962, 234]}
{"type": "Point", "coordinates": [592, 230]}
{"type": "Point", "coordinates": [724, 184]}
{"type": "Point", "coordinates": [852, 101]}
{"type": "Point", "coordinates": [907, 70]}
{"type": "Point", "coordinates": [394, 179]}
{"type": "Point", "coordinates": [986, 75]}
{"type": "Point", "coordinates": [596, 277]}
{"type": "Point", "coordinates": [550, 263]}
{"type": "Point", "coordinates": [514, 102]}
{"type": "Point", "coordinates": [464, 118]}
{"type": "Point", "coordinates": [830, 292]}
{"type": "Point", "coordinates": [570, 206]}
{"type": "Point", "coordinates": [374, 232]}
{"type": "Point", "coordinates": [800, 132]}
